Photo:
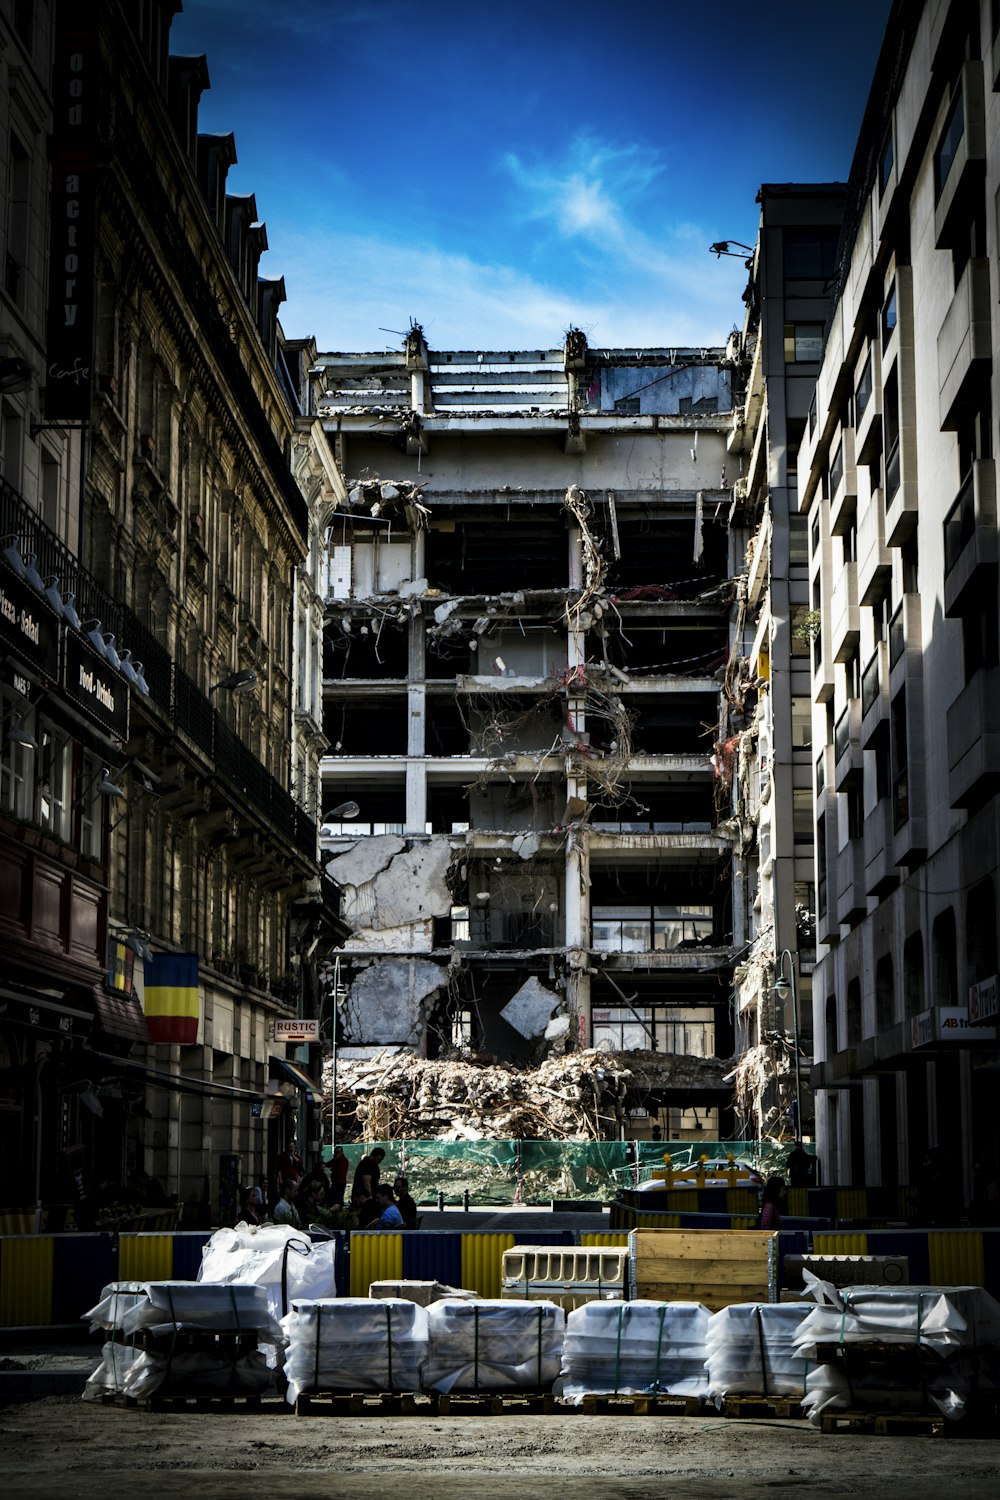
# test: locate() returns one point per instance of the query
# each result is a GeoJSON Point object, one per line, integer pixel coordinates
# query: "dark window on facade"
{"type": "Point", "coordinates": [981, 632]}
{"type": "Point", "coordinates": [885, 995]}
{"type": "Point", "coordinates": [913, 974]}
{"type": "Point", "coordinates": [900, 761]}
{"type": "Point", "coordinates": [821, 865]}
{"type": "Point", "coordinates": [837, 468]}
{"type": "Point", "coordinates": [981, 932]}
{"type": "Point", "coordinates": [831, 1027]}
{"type": "Point", "coordinates": [863, 390]}
{"type": "Point", "coordinates": [855, 812]}
{"type": "Point", "coordinates": [889, 315]}
{"type": "Point", "coordinates": [885, 162]}
{"type": "Point", "coordinates": [890, 418]}
{"type": "Point", "coordinates": [945, 958]}
{"type": "Point", "coordinates": [951, 139]}
{"type": "Point", "coordinates": [854, 1012]}
{"type": "Point", "coordinates": [810, 254]}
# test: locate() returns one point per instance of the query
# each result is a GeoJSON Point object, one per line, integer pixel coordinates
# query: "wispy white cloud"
{"type": "Point", "coordinates": [345, 288]}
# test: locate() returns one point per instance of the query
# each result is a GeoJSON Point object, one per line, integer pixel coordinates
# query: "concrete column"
{"type": "Point", "coordinates": [932, 1109]}
{"type": "Point", "coordinates": [965, 1122]}
{"type": "Point", "coordinates": [416, 774]}
{"type": "Point", "coordinates": [843, 1162]}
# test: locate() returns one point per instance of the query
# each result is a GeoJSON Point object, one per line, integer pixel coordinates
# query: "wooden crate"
{"type": "Point", "coordinates": [717, 1267]}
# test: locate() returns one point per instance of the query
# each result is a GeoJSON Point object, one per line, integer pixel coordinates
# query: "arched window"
{"type": "Point", "coordinates": [831, 1027]}
{"type": "Point", "coordinates": [913, 974]}
{"type": "Point", "coordinates": [854, 1012]}
{"type": "Point", "coordinates": [885, 995]}
{"type": "Point", "coordinates": [981, 931]}
{"type": "Point", "coordinates": [944, 955]}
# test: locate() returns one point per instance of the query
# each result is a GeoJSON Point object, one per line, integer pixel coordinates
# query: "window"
{"type": "Point", "coordinates": [855, 813]}
{"type": "Point", "coordinates": [811, 254]}
{"type": "Point", "coordinates": [981, 633]}
{"type": "Point", "coordinates": [17, 761]}
{"type": "Point", "coordinates": [803, 343]}
{"type": "Point", "coordinates": [802, 815]}
{"type": "Point", "coordinates": [16, 250]}
{"type": "Point", "coordinates": [951, 139]}
{"type": "Point", "coordinates": [863, 390]}
{"type": "Point", "coordinates": [885, 995]}
{"type": "Point", "coordinates": [798, 542]}
{"type": "Point", "coordinates": [913, 974]}
{"type": "Point", "coordinates": [890, 418]}
{"type": "Point", "coordinates": [821, 865]}
{"type": "Point", "coordinates": [885, 162]}
{"type": "Point", "coordinates": [836, 469]}
{"type": "Point", "coordinates": [889, 315]}
{"type": "Point", "coordinates": [899, 765]}
{"type": "Point", "coordinates": [54, 798]}
{"type": "Point", "coordinates": [854, 1012]}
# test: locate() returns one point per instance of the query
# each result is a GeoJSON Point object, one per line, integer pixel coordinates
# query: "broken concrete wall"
{"type": "Point", "coordinates": [530, 1010]}
{"type": "Point", "coordinates": [385, 1004]}
{"type": "Point", "coordinates": [392, 890]}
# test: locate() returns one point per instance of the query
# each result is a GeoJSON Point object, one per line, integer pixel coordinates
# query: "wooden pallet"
{"type": "Point", "coordinates": [885, 1424]}
{"type": "Point", "coordinates": [641, 1406]}
{"type": "Point", "coordinates": [496, 1404]}
{"type": "Point", "coordinates": [363, 1404]}
{"type": "Point", "coordinates": [196, 1403]}
{"type": "Point", "coordinates": [782, 1408]}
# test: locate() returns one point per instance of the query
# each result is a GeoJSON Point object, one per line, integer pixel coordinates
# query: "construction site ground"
{"type": "Point", "coordinates": [60, 1446]}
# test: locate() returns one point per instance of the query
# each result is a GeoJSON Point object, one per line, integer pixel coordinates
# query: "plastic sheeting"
{"type": "Point", "coordinates": [283, 1261]}
{"type": "Point", "coordinates": [493, 1345]}
{"type": "Point", "coordinates": [899, 1348]}
{"type": "Point", "coordinates": [751, 1350]}
{"type": "Point", "coordinates": [169, 1307]}
{"type": "Point", "coordinates": [637, 1347]}
{"type": "Point", "coordinates": [354, 1344]}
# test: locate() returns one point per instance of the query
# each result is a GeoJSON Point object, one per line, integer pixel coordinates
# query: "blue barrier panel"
{"type": "Point", "coordinates": [188, 1245]}
{"type": "Point", "coordinates": [909, 1242]}
{"type": "Point", "coordinates": [991, 1261]}
{"type": "Point", "coordinates": [434, 1256]}
{"type": "Point", "coordinates": [82, 1266]}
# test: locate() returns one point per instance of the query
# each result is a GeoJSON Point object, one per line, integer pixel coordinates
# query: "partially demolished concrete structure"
{"type": "Point", "coordinates": [526, 800]}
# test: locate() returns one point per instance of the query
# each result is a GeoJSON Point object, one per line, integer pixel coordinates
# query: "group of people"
{"type": "Point", "coordinates": [319, 1197]}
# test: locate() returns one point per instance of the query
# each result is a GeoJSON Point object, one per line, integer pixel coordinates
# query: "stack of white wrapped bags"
{"type": "Point", "coordinates": [493, 1345]}
{"type": "Point", "coordinates": [183, 1338]}
{"type": "Point", "coordinates": [354, 1344]}
{"type": "Point", "coordinates": [750, 1350]}
{"type": "Point", "coordinates": [633, 1348]}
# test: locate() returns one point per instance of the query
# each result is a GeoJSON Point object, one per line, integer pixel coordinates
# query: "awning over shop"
{"type": "Point", "coordinates": [293, 1073]}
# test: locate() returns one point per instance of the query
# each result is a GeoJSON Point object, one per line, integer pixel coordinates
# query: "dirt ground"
{"type": "Point", "coordinates": [64, 1447]}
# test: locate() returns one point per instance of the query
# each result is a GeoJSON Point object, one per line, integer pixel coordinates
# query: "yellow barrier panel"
{"type": "Point", "coordinates": [742, 1201]}
{"type": "Point", "coordinates": [956, 1258]}
{"type": "Point", "coordinates": [616, 1241]}
{"type": "Point", "coordinates": [797, 1206]}
{"type": "Point", "coordinates": [852, 1203]}
{"type": "Point", "coordinates": [26, 1282]}
{"type": "Point", "coordinates": [145, 1257]}
{"type": "Point", "coordinates": [840, 1242]}
{"type": "Point", "coordinates": [375, 1256]}
{"type": "Point", "coordinates": [482, 1260]}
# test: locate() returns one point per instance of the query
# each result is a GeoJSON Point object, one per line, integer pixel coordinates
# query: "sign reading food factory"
{"type": "Point", "coordinates": [76, 93]}
{"type": "Point", "coordinates": [95, 687]}
{"type": "Point", "coordinates": [28, 626]}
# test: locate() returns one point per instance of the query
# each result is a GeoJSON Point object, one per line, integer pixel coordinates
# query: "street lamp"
{"type": "Point", "coordinates": [345, 810]}
{"type": "Point", "coordinates": [784, 984]}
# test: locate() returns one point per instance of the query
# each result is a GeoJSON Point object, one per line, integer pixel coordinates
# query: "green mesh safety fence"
{"type": "Point", "coordinates": [531, 1172]}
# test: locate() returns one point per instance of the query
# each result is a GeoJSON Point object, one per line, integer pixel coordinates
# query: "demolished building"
{"type": "Point", "coordinates": [526, 803]}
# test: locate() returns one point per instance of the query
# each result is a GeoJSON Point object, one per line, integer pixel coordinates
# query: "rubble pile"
{"type": "Point", "coordinates": [580, 1096]}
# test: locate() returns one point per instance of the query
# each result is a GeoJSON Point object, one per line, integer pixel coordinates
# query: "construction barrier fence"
{"type": "Point", "coordinates": [48, 1280]}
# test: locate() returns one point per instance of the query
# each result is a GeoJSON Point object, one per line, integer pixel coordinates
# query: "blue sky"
{"type": "Point", "coordinates": [498, 172]}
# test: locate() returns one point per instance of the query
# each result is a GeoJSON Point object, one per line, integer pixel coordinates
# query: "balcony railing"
{"type": "Point", "coordinates": [170, 688]}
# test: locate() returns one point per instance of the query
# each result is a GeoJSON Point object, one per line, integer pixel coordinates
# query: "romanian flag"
{"type": "Point", "coordinates": [171, 998]}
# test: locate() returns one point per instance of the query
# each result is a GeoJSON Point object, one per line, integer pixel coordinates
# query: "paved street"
{"type": "Point", "coordinates": [63, 1447]}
